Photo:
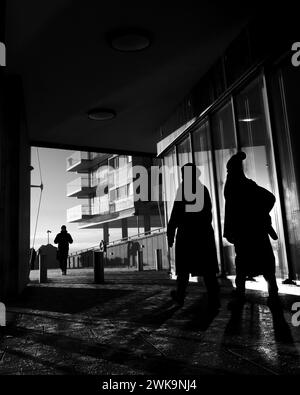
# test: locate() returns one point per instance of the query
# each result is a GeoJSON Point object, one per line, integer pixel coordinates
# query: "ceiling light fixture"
{"type": "Point", "coordinates": [101, 114]}
{"type": "Point", "coordinates": [129, 40]}
{"type": "Point", "coordinates": [248, 119]}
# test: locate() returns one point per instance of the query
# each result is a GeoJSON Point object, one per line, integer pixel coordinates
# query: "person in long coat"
{"type": "Point", "coordinates": [195, 248]}
{"type": "Point", "coordinates": [63, 239]}
{"type": "Point", "coordinates": [248, 226]}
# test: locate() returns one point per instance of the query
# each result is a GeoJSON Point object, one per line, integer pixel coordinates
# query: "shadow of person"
{"type": "Point", "coordinates": [157, 316]}
{"type": "Point", "coordinates": [198, 316]}
{"type": "Point", "coordinates": [203, 322]}
{"type": "Point", "coordinates": [282, 332]}
{"type": "Point", "coordinates": [234, 325]}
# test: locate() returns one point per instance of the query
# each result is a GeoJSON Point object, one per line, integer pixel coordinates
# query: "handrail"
{"type": "Point", "coordinates": [138, 235]}
{"type": "Point", "coordinates": [112, 243]}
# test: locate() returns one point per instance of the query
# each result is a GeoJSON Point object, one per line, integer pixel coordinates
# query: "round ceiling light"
{"type": "Point", "coordinates": [129, 40]}
{"type": "Point", "coordinates": [101, 114]}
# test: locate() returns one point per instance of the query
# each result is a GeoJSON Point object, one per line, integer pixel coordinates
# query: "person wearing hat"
{"type": "Point", "coordinates": [195, 249]}
{"type": "Point", "coordinates": [248, 226]}
{"type": "Point", "coordinates": [63, 239]}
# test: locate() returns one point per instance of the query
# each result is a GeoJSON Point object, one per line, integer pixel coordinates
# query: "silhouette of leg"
{"type": "Point", "coordinates": [64, 265]}
{"type": "Point", "coordinates": [273, 300]}
{"type": "Point", "coordinates": [213, 290]}
{"type": "Point", "coordinates": [61, 264]}
{"type": "Point", "coordinates": [240, 281]}
{"type": "Point", "coordinates": [182, 283]}
{"type": "Point", "coordinates": [239, 296]}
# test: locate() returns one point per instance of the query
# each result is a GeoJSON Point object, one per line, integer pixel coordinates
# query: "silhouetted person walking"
{"type": "Point", "coordinates": [63, 239]}
{"type": "Point", "coordinates": [195, 249]}
{"type": "Point", "coordinates": [248, 226]}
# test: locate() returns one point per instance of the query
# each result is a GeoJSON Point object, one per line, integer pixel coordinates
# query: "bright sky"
{"type": "Point", "coordinates": [54, 204]}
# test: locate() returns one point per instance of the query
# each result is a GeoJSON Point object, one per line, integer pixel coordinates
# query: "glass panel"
{"type": "Point", "coordinates": [184, 151]}
{"type": "Point", "coordinates": [203, 159]}
{"type": "Point", "coordinates": [171, 183]}
{"type": "Point", "coordinates": [284, 91]}
{"type": "Point", "coordinates": [170, 180]}
{"type": "Point", "coordinates": [259, 165]}
{"type": "Point", "coordinates": [223, 132]}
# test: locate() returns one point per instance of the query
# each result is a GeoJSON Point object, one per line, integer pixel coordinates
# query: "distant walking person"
{"type": "Point", "coordinates": [248, 226]}
{"type": "Point", "coordinates": [195, 249]}
{"type": "Point", "coordinates": [63, 239]}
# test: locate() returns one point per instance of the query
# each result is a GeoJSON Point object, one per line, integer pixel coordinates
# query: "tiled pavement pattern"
{"type": "Point", "coordinates": [129, 326]}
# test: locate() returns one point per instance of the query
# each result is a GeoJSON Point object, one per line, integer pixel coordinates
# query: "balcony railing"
{"type": "Point", "coordinates": [82, 162]}
{"type": "Point", "coordinates": [80, 187]}
{"type": "Point", "coordinates": [75, 160]}
{"type": "Point", "coordinates": [78, 213]}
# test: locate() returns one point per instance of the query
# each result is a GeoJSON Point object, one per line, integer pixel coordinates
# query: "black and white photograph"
{"type": "Point", "coordinates": [149, 194]}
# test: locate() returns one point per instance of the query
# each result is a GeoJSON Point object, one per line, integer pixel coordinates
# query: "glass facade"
{"type": "Point", "coordinates": [224, 146]}
{"type": "Point", "coordinates": [239, 122]}
{"type": "Point", "coordinates": [283, 90]}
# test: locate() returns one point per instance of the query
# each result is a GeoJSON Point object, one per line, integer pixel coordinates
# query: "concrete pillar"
{"type": "Point", "coordinates": [147, 224]}
{"type": "Point", "coordinates": [124, 229]}
{"type": "Point", "coordinates": [14, 189]}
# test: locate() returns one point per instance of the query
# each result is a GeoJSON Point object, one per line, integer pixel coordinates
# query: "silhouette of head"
{"type": "Point", "coordinates": [63, 228]}
{"type": "Point", "coordinates": [185, 169]}
{"type": "Point", "coordinates": [235, 164]}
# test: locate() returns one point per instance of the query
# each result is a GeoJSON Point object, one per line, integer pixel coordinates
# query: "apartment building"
{"type": "Point", "coordinates": [107, 198]}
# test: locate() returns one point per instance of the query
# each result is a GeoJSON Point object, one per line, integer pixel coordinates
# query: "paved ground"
{"type": "Point", "coordinates": [129, 326]}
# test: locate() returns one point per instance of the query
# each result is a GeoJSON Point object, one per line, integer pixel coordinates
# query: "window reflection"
{"type": "Point", "coordinates": [203, 159]}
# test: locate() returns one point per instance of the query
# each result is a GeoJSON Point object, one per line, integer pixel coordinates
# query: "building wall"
{"type": "Point", "coordinates": [14, 190]}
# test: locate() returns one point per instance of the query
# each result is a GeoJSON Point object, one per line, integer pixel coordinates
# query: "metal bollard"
{"type": "Point", "coordinates": [140, 260]}
{"type": "Point", "coordinates": [43, 268]}
{"type": "Point", "coordinates": [158, 257]}
{"type": "Point", "coordinates": [98, 261]}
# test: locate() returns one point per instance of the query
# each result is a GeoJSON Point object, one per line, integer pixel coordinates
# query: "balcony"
{"type": "Point", "coordinates": [78, 213]}
{"type": "Point", "coordinates": [80, 188]}
{"type": "Point", "coordinates": [82, 162]}
{"type": "Point", "coordinates": [79, 161]}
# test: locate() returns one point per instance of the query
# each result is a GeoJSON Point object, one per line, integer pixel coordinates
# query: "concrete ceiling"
{"type": "Point", "coordinates": [60, 49]}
